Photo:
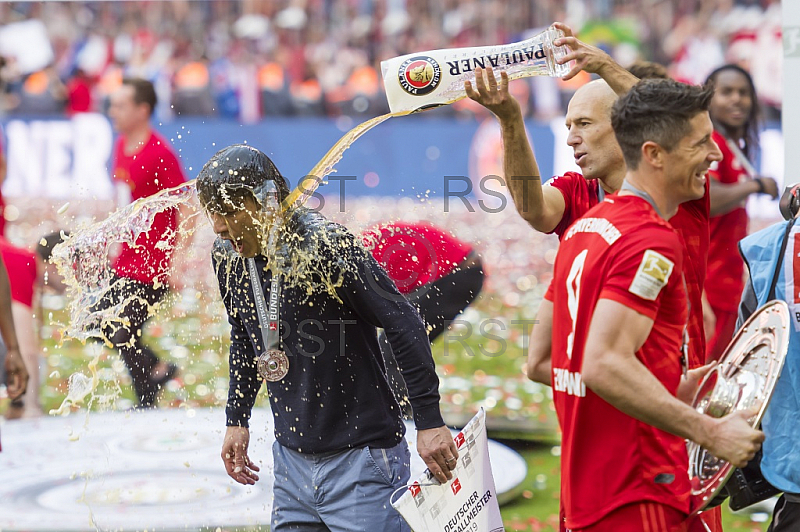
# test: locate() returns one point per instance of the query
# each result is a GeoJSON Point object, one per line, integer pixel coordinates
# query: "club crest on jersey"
{"type": "Point", "coordinates": [652, 275]}
{"type": "Point", "coordinates": [419, 75]}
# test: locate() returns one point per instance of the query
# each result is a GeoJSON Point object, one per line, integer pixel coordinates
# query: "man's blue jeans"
{"type": "Point", "coordinates": [345, 491]}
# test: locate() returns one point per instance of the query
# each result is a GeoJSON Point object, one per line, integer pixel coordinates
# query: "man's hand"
{"type": "Point", "coordinates": [438, 451]}
{"type": "Point", "coordinates": [770, 186]}
{"type": "Point", "coordinates": [732, 438]}
{"type": "Point", "coordinates": [593, 60]}
{"type": "Point", "coordinates": [497, 100]}
{"type": "Point", "coordinates": [688, 385]}
{"type": "Point", "coordinates": [586, 57]}
{"type": "Point", "coordinates": [17, 374]}
{"type": "Point", "coordinates": [234, 455]}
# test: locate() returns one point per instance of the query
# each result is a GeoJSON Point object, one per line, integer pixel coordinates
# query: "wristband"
{"type": "Point", "coordinates": [761, 188]}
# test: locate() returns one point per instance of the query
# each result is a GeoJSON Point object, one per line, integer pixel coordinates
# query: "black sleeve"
{"type": "Point", "coordinates": [244, 383]}
{"type": "Point", "coordinates": [374, 297]}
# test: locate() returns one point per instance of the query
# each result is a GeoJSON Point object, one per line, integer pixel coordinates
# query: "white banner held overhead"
{"type": "Point", "coordinates": [468, 502]}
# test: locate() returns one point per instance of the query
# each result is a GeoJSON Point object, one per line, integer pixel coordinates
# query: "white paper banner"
{"type": "Point", "coordinates": [468, 502]}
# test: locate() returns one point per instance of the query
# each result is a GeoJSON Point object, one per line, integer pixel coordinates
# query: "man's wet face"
{"type": "Point", "coordinates": [244, 225]}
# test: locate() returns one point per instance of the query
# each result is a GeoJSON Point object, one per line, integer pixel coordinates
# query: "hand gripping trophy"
{"type": "Point", "coordinates": [744, 379]}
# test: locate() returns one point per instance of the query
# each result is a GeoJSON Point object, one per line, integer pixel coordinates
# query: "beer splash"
{"type": "Point", "coordinates": [82, 259]}
{"type": "Point", "coordinates": [326, 165]}
{"type": "Point", "coordinates": [89, 390]}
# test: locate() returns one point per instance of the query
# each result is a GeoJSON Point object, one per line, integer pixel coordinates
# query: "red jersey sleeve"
{"type": "Point", "coordinates": [641, 268]}
{"type": "Point", "coordinates": [729, 170]}
{"type": "Point", "coordinates": [548, 295]}
{"type": "Point", "coordinates": [579, 194]}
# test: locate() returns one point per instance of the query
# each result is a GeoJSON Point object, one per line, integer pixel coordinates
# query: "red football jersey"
{"type": "Point", "coordinates": [623, 251]}
{"type": "Point", "coordinates": [691, 222]}
{"type": "Point", "coordinates": [22, 271]}
{"type": "Point", "coordinates": [150, 170]}
{"type": "Point", "coordinates": [580, 195]}
{"type": "Point", "coordinates": [725, 277]}
{"type": "Point", "coordinates": [415, 254]}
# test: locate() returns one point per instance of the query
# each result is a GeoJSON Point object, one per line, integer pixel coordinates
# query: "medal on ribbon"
{"type": "Point", "coordinates": [273, 364]}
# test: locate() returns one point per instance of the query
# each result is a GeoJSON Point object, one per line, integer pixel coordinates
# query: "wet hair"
{"type": "Point", "coordinates": [235, 174]}
{"type": "Point", "coordinates": [45, 246]}
{"type": "Point", "coordinates": [657, 110]}
{"type": "Point", "coordinates": [143, 92]}
{"type": "Point", "coordinates": [648, 70]}
{"type": "Point", "coordinates": [751, 125]}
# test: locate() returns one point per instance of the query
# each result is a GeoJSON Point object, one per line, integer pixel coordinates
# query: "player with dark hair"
{"type": "Point", "coordinates": [734, 112]}
{"type": "Point", "coordinates": [611, 331]}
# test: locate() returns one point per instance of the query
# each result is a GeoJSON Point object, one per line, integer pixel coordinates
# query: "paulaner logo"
{"type": "Point", "coordinates": [511, 57]}
{"type": "Point", "coordinates": [419, 75]}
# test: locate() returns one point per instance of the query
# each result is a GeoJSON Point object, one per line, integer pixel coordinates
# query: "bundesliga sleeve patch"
{"type": "Point", "coordinates": [652, 275]}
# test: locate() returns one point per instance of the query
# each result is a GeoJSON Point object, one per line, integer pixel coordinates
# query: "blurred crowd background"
{"type": "Point", "coordinates": [255, 59]}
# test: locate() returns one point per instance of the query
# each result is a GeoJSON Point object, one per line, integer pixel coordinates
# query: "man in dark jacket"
{"type": "Point", "coordinates": [308, 326]}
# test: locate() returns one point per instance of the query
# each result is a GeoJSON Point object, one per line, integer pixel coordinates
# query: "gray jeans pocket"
{"type": "Point", "coordinates": [382, 460]}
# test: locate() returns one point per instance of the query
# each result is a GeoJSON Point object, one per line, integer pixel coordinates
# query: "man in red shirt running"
{"type": "Point", "coordinates": [610, 330]}
{"type": "Point", "coordinates": [144, 164]}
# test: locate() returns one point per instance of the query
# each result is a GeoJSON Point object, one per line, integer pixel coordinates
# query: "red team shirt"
{"type": "Point", "coordinates": [22, 271]}
{"type": "Point", "coordinates": [580, 195]}
{"type": "Point", "coordinates": [623, 251]}
{"type": "Point", "coordinates": [725, 279]}
{"type": "Point", "coordinates": [691, 222]}
{"type": "Point", "coordinates": [415, 254]}
{"type": "Point", "coordinates": [150, 170]}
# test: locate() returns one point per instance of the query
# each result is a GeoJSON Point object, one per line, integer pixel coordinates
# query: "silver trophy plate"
{"type": "Point", "coordinates": [744, 378]}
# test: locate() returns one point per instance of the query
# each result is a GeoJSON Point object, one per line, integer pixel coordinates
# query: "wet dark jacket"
{"type": "Point", "coordinates": [335, 395]}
